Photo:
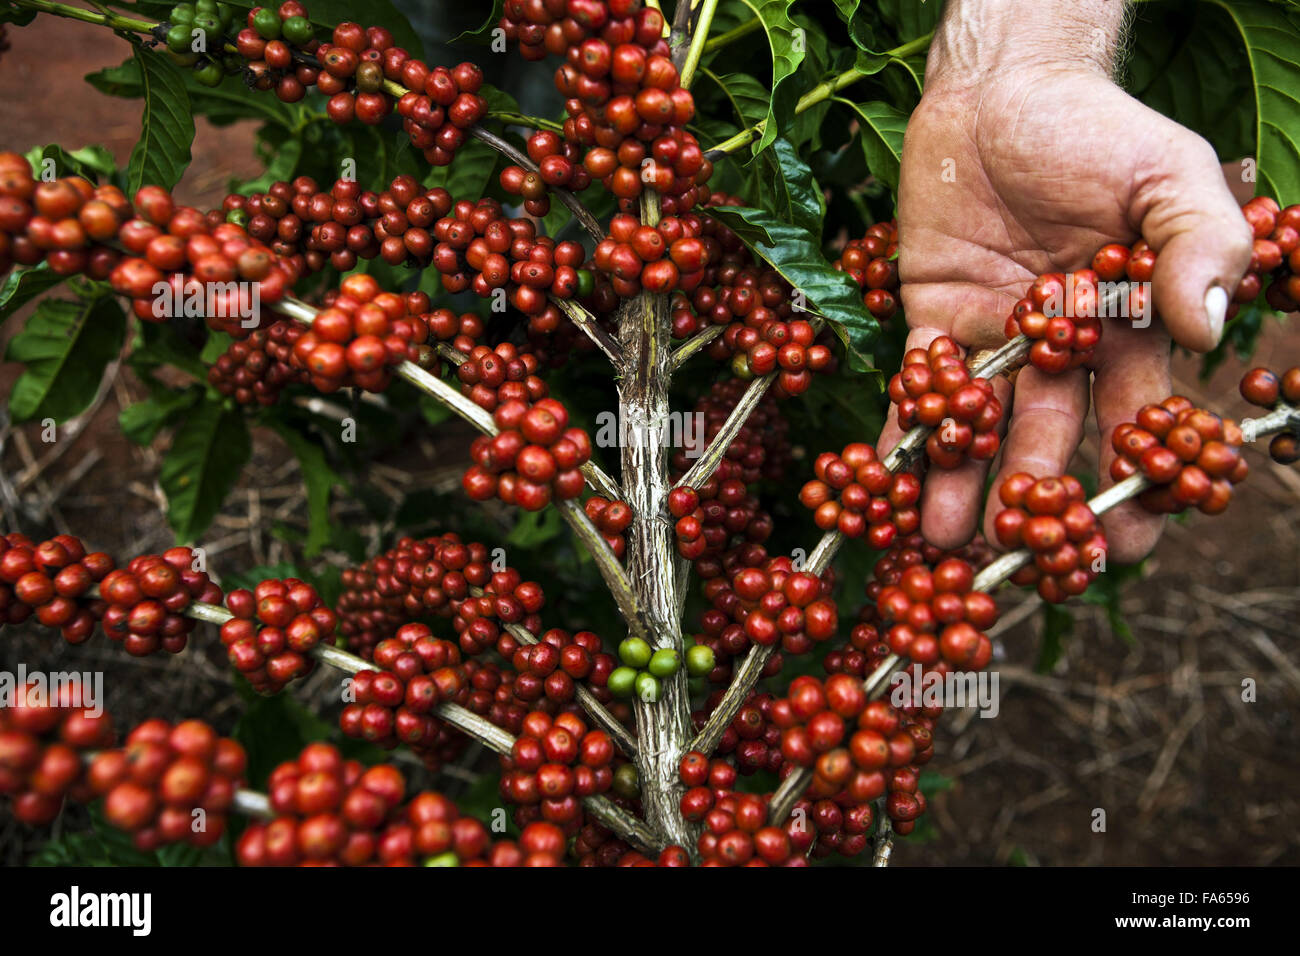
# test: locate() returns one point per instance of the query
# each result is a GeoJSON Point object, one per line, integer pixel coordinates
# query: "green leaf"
{"type": "Point", "coordinates": [881, 137]}
{"type": "Point", "coordinates": [534, 528]}
{"type": "Point", "coordinates": [1181, 67]}
{"type": "Point", "coordinates": [862, 22]}
{"type": "Point", "coordinates": [787, 42]}
{"type": "Point", "coordinates": [22, 286]}
{"type": "Point", "coordinates": [1270, 33]}
{"type": "Point", "coordinates": [747, 97]}
{"type": "Point", "coordinates": [226, 103]}
{"type": "Point", "coordinates": [796, 197]}
{"type": "Point", "coordinates": [320, 480]}
{"type": "Point", "coordinates": [911, 18]}
{"type": "Point", "coordinates": [89, 162]}
{"type": "Point", "coordinates": [142, 421]}
{"type": "Point", "coordinates": [166, 128]}
{"type": "Point", "coordinates": [797, 256]}
{"type": "Point", "coordinates": [159, 344]}
{"type": "Point", "coordinates": [65, 346]}
{"type": "Point", "coordinates": [208, 452]}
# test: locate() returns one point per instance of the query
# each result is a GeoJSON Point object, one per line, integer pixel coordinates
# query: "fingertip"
{"type": "Point", "coordinates": [1131, 532]}
{"type": "Point", "coordinates": [950, 504]}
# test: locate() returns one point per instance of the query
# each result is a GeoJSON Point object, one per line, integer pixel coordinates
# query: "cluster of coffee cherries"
{"type": "Point", "coordinates": [534, 458]}
{"type": "Point", "coordinates": [871, 261]}
{"type": "Point", "coordinates": [1274, 258]}
{"type": "Point", "coordinates": [643, 668]}
{"type": "Point", "coordinates": [751, 739]}
{"type": "Point", "coordinates": [169, 784]}
{"type": "Point", "coordinates": [552, 667]}
{"type": "Point", "coordinates": [722, 517]}
{"type": "Point", "coordinates": [357, 69]}
{"type": "Point", "coordinates": [933, 614]}
{"type": "Point", "coordinates": [1051, 517]}
{"type": "Point", "coordinates": [623, 95]}
{"type": "Point", "coordinates": [396, 704]}
{"type": "Point", "coordinates": [145, 601]}
{"type": "Point", "coordinates": [363, 336]}
{"type": "Point", "coordinates": [863, 749]}
{"type": "Point", "coordinates": [1192, 456]}
{"type": "Point", "coordinates": [657, 259]}
{"type": "Point", "coordinates": [51, 580]}
{"type": "Point", "coordinates": [69, 223]}
{"type": "Point", "coordinates": [274, 629]}
{"type": "Point", "coordinates": [735, 828]}
{"type": "Point", "coordinates": [552, 765]}
{"type": "Point", "coordinates": [764, 331]}
{"type": "Point", "coordinates": [333, 811]}
{"type": "Point", "coordinates": [935, 389]}
{"type": "Point", "coordinates": [778, 605]}
{"type": "Point", "coordinates": [256, 369]}
{"type": "Point", "coordinates": [559, 166]}
{"type": "Point", "coordinates": [345, 224]}
{"type": "Point", "coordinates": [503, 373]}
{"type": "Point", "coordinates": [857, 495]}
{"type": "Point", "coordinates": [211, 22]}
{"type": "Point", "coordinates": [477, 247]}
{"type": "Point", "coordinates": [1060, 312]}
{"type": "Point", "coordinates": [1265, 388]}
{"type": "Point", "coordinates": [611, 519]}
{"type": "Point", "coordinates": [44, 742]}
{"type": "Point", "coordinates": [432, 577]}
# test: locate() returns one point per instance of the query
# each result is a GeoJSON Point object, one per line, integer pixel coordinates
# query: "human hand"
{"type": "Point", "coordinates": [1047, 161]}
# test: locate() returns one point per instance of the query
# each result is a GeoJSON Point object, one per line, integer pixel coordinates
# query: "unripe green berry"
{"type": "Point", "coordinates": [699, 660]}
{"type": "Point", "coordinates": [297, 30]}
{"type": "Point", "coordinates": [664, 663]}
{"type": "Point", "coordinates": [621, 681]}
{"type": "Point", "coordinates": [634, 652]}
{"type": "Point", "coordinates": [267, 24]}
{"type": "Point", "coordinates": [647, 687]}
{"type": "Point", "coordinates": [443, 859]}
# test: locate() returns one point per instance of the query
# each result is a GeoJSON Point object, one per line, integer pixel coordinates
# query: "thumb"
{"type": "Point", "coordinates": [1202, 241]}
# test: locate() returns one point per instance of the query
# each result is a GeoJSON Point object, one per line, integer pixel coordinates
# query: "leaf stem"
{"type": "Point", "coordinates": [701, 34]}
{"type": "Point", "coordinates": [818, 94]}
{"type": "Point", "coordinates": [87, 16]}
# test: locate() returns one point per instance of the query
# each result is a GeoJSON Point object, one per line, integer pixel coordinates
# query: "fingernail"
{"type": "Point", "coordinates": [1216, 308]}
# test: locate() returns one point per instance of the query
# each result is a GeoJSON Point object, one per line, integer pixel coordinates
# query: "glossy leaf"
{"type": "Point", "coordinates": [65, 347]}
{"type": "Point", "coordinates": [208, 451]}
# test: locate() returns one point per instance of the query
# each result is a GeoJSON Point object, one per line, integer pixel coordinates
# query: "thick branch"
{"type": "Point", "coordinates": [698, 38]}
{"type": "Point", "coordinates": [705, 465]}
{"type": "Point", "coordinates": [663, 726]}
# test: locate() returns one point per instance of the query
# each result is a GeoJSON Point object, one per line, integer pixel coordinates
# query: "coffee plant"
{"type": "Point", "coordinates": [663, 298]}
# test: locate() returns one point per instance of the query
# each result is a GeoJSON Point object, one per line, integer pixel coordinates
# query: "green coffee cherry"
{"type": "Point", "coordinates": [182, 13]}
{"type": "Point", "coordinates": [664, 663]}
{"type": "Point", "coordinates": [238, 216]}
{"type": "Point", "coordinates": [226, 14]}
{"type": "Point", "coordinates": [634, 652]}
{"type": "Point", "coordinates": [267, 24]}
{"type": "Point", "coordinates": [186, 59]}
{"type": "Point", "coordinates": [297, 30]}
{"type": "Point", "coordinates": [648, 687]}
{"type": "Point", "coordinates": [586, 283]}
{"type": "Point", "coordinates": [178, 38]}
{"type": "Point", "coordinates": [621, 681]}
{"type": "Point", "coordinates": [209, 74]}
{"type": "Point", "coordinates": [208, 7]}
{"type": "Point", "coordinates": [443, 859]}
{"type": "Point", "coordinates": [627, 783]}
{"type": "Point", "coordinates": [699, 660]}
